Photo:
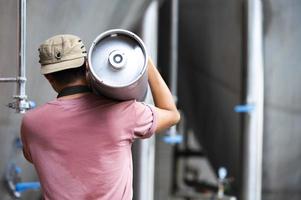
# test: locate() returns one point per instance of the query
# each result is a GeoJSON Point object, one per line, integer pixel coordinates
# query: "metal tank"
{"type": "Point", "coordinates": [220, 49]}
{"type": "Point", "coordinates": [282, 113]}
{"type": "Point", "coordinates": [118, 65]}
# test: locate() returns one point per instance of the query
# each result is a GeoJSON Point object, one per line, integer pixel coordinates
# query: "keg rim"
{"type": "Point", "coordinates": [109, 33]}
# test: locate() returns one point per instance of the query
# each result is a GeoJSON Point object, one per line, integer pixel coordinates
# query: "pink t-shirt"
{"type": "Point", "coordinates": [81, 148]}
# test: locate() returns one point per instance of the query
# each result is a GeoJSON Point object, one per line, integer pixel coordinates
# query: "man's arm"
{"type": "Point", "coordinates": [166, 110]}
{"type": "Point", "coordinates": [24, 142]}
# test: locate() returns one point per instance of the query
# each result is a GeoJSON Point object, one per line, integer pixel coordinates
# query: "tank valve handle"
{"type": "Point", "coordinates": [21, 104]}
{"type": "Point", "coordinates": [24, 186]}
{"type": "Point", "coordinates": [222, 174]}
{"type": "Point", "coordinates": [13, 172]}
{"type": "Point", "coordinates": [246, 108]}
{"type": "Point", "coordinates": [172, 137]}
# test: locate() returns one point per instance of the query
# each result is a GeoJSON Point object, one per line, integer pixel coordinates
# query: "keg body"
{"type": "Point", "coordinates": [118, 65]}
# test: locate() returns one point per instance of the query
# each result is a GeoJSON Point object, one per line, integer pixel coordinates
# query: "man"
{"type": "Point", "coordinates": [80, 143]}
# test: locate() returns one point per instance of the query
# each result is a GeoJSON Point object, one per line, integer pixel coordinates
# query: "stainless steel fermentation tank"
{"type": "Point", "coordinates": [118, 65]}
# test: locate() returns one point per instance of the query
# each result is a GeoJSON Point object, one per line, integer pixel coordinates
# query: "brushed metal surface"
{"type": "Point", "coordinates": [118, 65]}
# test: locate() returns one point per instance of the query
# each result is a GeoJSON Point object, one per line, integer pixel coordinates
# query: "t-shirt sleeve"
{"type": "Point", "coordinates": [145, 120]}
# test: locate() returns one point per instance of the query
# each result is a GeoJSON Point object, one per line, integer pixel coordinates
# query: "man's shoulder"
{"type": "Point", "coordinates": [35, 113]}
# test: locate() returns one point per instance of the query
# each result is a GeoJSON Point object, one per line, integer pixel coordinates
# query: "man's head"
{"type": "Point", "coordinates": [63, 60]}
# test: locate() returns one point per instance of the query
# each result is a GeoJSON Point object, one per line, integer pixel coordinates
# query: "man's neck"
{"type": "Point", "coordinates": [74, 96]}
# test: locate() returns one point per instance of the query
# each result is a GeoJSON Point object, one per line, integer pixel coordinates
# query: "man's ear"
{"type": "Point", "coordinates": [87, 70]}
{"type": "Point", "coordinates": [49, 77]}
{"type": "Point", "coordinates": [87, 64]}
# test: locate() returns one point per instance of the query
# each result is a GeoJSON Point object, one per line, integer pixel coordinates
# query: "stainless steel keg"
{"type": "Point", "coordinates": [118, 65]}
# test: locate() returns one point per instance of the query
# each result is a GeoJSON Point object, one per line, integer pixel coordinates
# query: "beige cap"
{"type": "Point", "coordinates": [61, 52]}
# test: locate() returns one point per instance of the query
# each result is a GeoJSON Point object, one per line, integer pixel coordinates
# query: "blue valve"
{"type": "Point", "coordinates": [18, 170]}
{"type": "Point", "coordinates": [173, 139]}
{"type": "Point", "coordinates": [32, 104]}
{"type": "Point", "coordinates": [247, 108]}
{"type": "Point", "coordinates": [21, 187]}
{"type": "Point", "coordinates": [18, 143]}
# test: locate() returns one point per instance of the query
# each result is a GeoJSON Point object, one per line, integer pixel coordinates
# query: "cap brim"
{"type": "Point", "coordinates": [69, 64]}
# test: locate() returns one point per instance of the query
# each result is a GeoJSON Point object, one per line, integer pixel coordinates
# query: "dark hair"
{"type": "Point", "coordinates": [68, 76]}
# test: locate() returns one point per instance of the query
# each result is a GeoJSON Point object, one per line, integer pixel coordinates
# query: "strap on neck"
{"type": "Point", "coordinates": [74, 90]}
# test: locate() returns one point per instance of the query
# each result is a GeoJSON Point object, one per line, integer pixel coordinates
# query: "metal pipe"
{"type": "Point", "coordinates": [173, 73]}
{"type": "Point", "coordinates": [21, 104]}
{"type": "Point", "coordinates": [10, 79]}
{"type": "Point", "coordinates": [145, 169]}
{"type": "Point", "coordinates": [174, 47]}
{"type": "Point", "coordinates": [22, 49]}
{"type": "Point", "coordinates": [253, 136]}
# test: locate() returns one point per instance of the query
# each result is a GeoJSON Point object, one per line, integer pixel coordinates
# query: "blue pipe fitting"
{"type": "Point", "coordinates": [173, 139]}
{"type": "Point", "coordinates": [247, 108]}
{"type": "Point", "coordinates": [21, 187]}
{"type": "Point", "coordinates": [18, 170]}
{"type": "Point", "coordinates": [18, 143]}
{"type": "Point", "coordinates": [32, 104]}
